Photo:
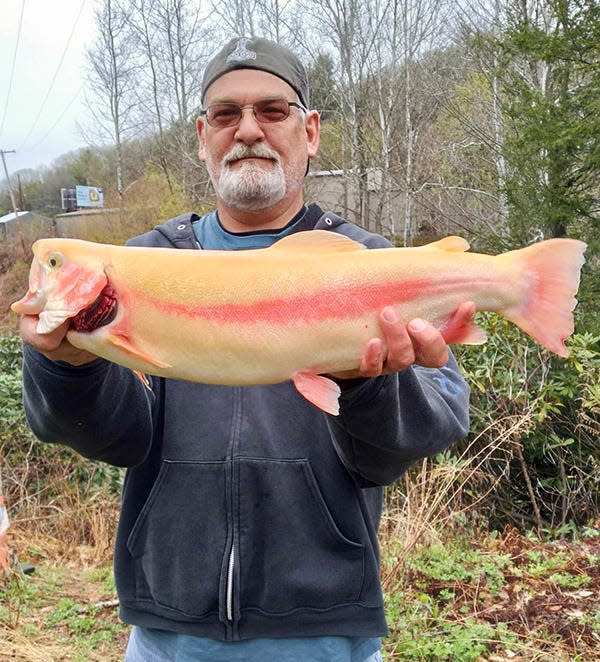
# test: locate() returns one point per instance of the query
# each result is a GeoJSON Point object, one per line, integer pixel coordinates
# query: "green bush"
{"type": "Point", "coordinates": [12, 418]}
{"type": "Point", "coordinates": [548, 471]}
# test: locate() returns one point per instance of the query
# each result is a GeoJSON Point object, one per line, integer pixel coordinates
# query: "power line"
{"type": "Point", "coordinates": [62, 58]}
{"type": "Point", "coordinates": [41, 140]}
{"type": "Point", "coordinates": [12, 69]}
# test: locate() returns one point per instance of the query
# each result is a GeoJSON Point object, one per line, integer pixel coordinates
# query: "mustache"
{"type": "Point", "coordinates": [247, 151]}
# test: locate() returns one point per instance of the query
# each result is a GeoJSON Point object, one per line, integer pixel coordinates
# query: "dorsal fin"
{"type": "Point", "coordinates": [316, 241]}
{"type": "Point", "coordinates": [452, 244]}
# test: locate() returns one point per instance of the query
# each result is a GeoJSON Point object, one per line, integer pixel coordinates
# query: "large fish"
{"type": "Point", "coordinates": [301, 308]}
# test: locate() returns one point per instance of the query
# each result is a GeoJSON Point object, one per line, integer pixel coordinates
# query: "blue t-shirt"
{"type": "Point", "coordinates": [149, 645]}
{"type": "Point", "coordinates": [211, 235]}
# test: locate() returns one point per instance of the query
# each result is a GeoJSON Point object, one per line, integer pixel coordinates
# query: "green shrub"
{"type": "Point", "coordinates": [549, 470]}
{"type": "Point", "coordinates": [12, 418]}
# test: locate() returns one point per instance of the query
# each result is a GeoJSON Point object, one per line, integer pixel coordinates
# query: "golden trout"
{"type": "Point", "coordinates": [302, 308]}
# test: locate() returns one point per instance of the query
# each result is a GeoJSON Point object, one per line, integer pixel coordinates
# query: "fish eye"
{"type": "Point", "coordinates": [55, 261]}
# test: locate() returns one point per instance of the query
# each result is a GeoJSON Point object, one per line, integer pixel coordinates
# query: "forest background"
{"type": "Point", "coordinates": [479, 119]}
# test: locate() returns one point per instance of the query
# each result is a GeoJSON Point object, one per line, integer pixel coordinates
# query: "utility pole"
{"type": "Point", "coordinates": [21, 198]}
{"type": "Point", "coordinates": [12, 198]}
{"type": "Point", "coordinates": [10, 188]}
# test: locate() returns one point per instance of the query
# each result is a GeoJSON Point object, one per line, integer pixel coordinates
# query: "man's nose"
{"type": "Point", "coordinates": [249, 130]}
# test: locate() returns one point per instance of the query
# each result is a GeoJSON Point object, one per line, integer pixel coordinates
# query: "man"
{"type": "Point", "coordinates": [249, 518]}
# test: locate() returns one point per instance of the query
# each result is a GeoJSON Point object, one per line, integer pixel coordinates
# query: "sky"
{"type": "Point", "coordinates": [42, 71]}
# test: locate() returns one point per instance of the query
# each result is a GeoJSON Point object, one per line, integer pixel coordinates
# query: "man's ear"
{"type": "Point", "coordinates": [313, 132]}
{"type": "Point", "coordinates": [200, 128]}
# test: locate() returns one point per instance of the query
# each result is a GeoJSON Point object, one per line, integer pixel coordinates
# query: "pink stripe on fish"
{"type": "Point", "coordinates": [314, 307]}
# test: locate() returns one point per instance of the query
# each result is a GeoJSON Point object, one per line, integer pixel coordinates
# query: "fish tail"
{"type": "Point", "coordinates": [551, 271]}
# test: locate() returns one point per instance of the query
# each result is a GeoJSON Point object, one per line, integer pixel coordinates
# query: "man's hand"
{"type": "Point", "coordinates": [404, 344]}
{"type": "Point", "coordinates": [53, 345]}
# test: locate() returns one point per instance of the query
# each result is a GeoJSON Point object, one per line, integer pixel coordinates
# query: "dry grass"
{"type": "Point", "coordinates": [67, 609]}
{"type": "Point", "coordinates": [55, 495]}
{"type": "Point", "coordinates": [14, 270]}
{"type": "Point", "coordinates": [18, 646]}
{"type": "Point", "coordinates": [430, 499]}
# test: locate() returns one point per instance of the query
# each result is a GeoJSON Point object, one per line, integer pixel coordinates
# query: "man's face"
{"type": "Point", "coordinates": [255, 165]}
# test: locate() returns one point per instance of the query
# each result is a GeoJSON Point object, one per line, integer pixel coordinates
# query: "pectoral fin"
{"type": "Point", "coordinates": [124, 344]}
{"type": "Point", "coordinates": [458, 330]}
{"type": "Point", "coordinates": [321, 391]}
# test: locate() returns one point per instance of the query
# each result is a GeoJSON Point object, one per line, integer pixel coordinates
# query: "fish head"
{"type": "Point", "coordinates": [65, 278]}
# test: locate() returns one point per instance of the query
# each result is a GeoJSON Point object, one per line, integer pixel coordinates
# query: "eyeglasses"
{"type": "Point", "coordinates": [267, 111]}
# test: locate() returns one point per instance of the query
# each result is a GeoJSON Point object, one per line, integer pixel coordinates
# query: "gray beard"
{"type": "Point", "coordinates": [250, 188]}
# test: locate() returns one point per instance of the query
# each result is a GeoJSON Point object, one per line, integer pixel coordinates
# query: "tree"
{"type": "Point", "coordinates": [481, 25]}
{"type": "Point", "coordinates": [112, 79]}
{"type": "Point", "coordinates": [237, 17]}
{"type": "Point", "coordinates": [463, 188]}
{"type": "Point", "coordinates": [550, 75]}
{"type": "Point", "coordinates": [277, 20]}
{"type": "Point", "coordinates": [411, 73]}
{"type": "Point", "coordinates": [324, 92]}
{"type": "Point", "coordinates": [181, 44]}
{"type": "Point", "coordinates": [354, 33]}
{"type": "Point", "coordinates": [387, 100]}
{"type": "Point", "coordinates": [146, 31]}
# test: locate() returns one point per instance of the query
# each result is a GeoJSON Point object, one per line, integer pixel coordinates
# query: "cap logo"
{"type": "Point", "coordinates": [241, 52]}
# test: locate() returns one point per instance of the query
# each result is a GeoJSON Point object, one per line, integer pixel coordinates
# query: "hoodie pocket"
{"type": "Point", "coordinates": [179, 538]}
{"type": "Point", "coordinates": [292, 553]}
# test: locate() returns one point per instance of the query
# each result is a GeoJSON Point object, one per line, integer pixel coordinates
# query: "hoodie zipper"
{"type": "Point", "coordinates": [233, 498]}
{"type": "Point", "coordinates": [229, 594]}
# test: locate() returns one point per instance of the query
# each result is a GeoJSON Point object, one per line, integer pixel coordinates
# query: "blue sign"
{"type": "Point", "coordinates": [89, 196]}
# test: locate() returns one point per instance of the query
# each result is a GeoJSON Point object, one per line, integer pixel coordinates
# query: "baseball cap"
{"type": "Point", "coordinates": [262, 54]}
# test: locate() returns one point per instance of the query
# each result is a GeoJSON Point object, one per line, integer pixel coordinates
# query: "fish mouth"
{"type": "Point", "coordinates": [99, 313]}
{"type": "Point", "coordinates": [32, 303]}
{"type": "Point", "coordinates": [34, 300]}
